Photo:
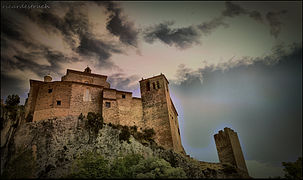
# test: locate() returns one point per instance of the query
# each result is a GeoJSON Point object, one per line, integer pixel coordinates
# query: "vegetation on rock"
{"type": "Point", "coordinates": [94, 124]}
{"type": "Point", "coordinates": [22, 165]}
{"type": "Point", "coordinates": [128, 166]}
{"type": "Point", "coordinates": [293, 170]}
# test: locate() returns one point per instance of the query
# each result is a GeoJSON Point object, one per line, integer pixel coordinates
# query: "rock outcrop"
{"type": "Point", "coordinates": [53, 145]}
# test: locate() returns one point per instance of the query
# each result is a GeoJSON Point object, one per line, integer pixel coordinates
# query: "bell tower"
{"type": "Point", "coordinates": [159, 112]}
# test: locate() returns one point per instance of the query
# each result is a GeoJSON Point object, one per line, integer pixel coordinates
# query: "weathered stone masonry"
{"type": "Point", "coordinates": [83, 92]}
{"type": "Point", "coordinates": [229, 149]}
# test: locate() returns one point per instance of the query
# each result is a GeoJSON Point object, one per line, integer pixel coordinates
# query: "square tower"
{"type": "Point", "coordinates": [229, 149]}
{"type": "Point", "coordinates": [159, 112]}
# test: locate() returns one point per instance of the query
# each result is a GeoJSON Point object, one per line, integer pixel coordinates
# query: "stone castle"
{"type": "Point", "coordinates": [82, 92]}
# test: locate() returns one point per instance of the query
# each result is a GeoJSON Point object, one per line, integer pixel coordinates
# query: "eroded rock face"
{"type": "Point", "coordinates": [55, 143]}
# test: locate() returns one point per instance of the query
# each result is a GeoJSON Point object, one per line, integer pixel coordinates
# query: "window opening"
{"type": "Point", "coordinates": [147, 86]}
{"type": "Point", "coordinates": [158, 85]}
{"type": "Point", "coordinates": [59, 103]}
{"type": "Point", "coordinates": [123, 96]}
{"type": "Point", "coordinates": [50, 90]}
{"type": "Point", "coordinates": [107, 104]}
{"type": "Point", "coordinates": [154, 85]}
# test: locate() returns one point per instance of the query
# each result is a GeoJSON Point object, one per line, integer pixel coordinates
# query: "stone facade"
{"type": "Point", "coordinates": [82, 92]}
{"type": "Point", "coordinates": [229, 149]}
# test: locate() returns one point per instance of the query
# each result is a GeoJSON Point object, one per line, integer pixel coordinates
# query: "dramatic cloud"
{"type": "Point", "coordinates": [42, 41]}
{"type": "Point", "coordinates": [232, 10]}
{"type": "Point", "coordinates": [121, 81]}
{"type": "Point", "coordinates": [180, 37]}
{"type": "Point", "coordinates": [208, 27]}
{"type": "Point", "coordinates": [119, 26]}
{"type": "Point", "coordinates": [257, 97]}
{"type": "Point", "coordinates": [274, 22]}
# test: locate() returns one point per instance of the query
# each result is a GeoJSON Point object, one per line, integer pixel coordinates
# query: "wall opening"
{"type": "Point", "coordinates": [147, 86]}
{"type": "Point", "coordinates": [123, 96]}
{"type": "Point", "coordinates": [158, 85]}
{"type": "Point", "coordinates": [50, 90]}
{"type": "Point", "coordinates": [59, 103]}
{"type": "Point", "coordinates": [107, 104]}
{"type": "Point", "coordinates": [154, 85]}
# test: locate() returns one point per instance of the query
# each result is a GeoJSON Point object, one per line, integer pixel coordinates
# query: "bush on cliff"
{"type": "Point", "coordinates": [90, 166]}
{"type": "Point", "coordinates": [94, 123]}
{"type": "Point", "coordinates": [128, 166]}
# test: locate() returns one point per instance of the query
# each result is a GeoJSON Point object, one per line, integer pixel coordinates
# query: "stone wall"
{"type": "Point", "coordinates": [229, 149]}
{"type": "Point", "coordinates": [84, 77]}
{"type": "Point", "coordinates": [85, 98]}
{"type": "Point", "coordinates": [52, 95]}
{"type": "Point", "coordinates": [123, 108]}
{"type": "Point", "coordinates": [155, 109]}
{"type": "Point", "coordinates": [32, 97]}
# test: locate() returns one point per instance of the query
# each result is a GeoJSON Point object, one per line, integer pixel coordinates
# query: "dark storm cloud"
{"type": "Point", "coordinates": [91, 46]}
{"type": "Point", "coordinates": [180, 37]}
{"type": "Point", "coordinates": [233, 10]}
{"type": "Point", "coordinates": [208, 27]}
{"type": "Point", "coordinates": [24, 57]}
{"type": "Point", "coordinates": [259, 98]}
{"type": "Point", "coordinates": [119, 26]}
{"type": "Point", "coordinates": [274, 22]}
{"type": "Point", "coordinates": [185, 37]}
{"type": "Point", "coordinates": [123, 82]}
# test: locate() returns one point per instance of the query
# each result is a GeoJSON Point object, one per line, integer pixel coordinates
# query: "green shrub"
{"type": "Point", "coordinates": [90, 165]}
{"type": "Point", "coordinates": [149, 134]}
{"type": "Point", "coordinates": [128, 166]}
{"type": "Point", "coordinates": [293, 170]}
{"type": "Point", "coordinates": [124, 134]}
{"type": "Point", "coordinates": [81, 117]}
{"type": "Point", "coordinates": [121, 166]}
{"type": "Point", "coordinates": [29, 118]}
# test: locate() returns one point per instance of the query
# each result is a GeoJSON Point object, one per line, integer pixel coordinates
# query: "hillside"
{"type": "Point", "coordinates": [50, 148]}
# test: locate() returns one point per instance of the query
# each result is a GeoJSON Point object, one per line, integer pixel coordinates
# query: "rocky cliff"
{"type": "Point", "coordinates": [48, 148]}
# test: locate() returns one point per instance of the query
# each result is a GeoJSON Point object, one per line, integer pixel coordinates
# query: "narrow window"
{"type": "Point", "coordinates": [147, 86]}
{"type": "Point", "coordinates": [86, 96]}
{"type": "Point", "coordinates": [107, 104]}
{"type": "Point", "coordinates": [59, 103]}
{"type": "Point", "coordinates": [154, 85]}
{"type": "Point", "coordinates": [123, 96]}
{"type": "Point", "coordinates": [178, 131]}
{"type": "Point", "coordinates": [158, 85]}
{"type": "Point", "coordinates": [50, 90]}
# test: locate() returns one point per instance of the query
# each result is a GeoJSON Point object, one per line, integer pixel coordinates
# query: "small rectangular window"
{"type": "Point", "coordinates": [59, 103]}
{"type": "Point", "coordinates": [123, 96]}
{"type": "Point", "coordinates": [107, 104]}
{"type": "Point", "coordinates": [154, 85]}
{"type": "Point", "coordinates": [158, 85]}
{"type": "Point", "coordinates": [50, 90]}
{"type": "Point", "coordinates": [147, 86]}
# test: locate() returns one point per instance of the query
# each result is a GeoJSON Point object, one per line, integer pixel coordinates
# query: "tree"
{"type": "Point", "coordinates": [293, 170]}
{"type": "Point", "coordinates": [12, 100]}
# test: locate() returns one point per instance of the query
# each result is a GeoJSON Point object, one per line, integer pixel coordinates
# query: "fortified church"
{"type": "Point", "coordinates": [82, 92]}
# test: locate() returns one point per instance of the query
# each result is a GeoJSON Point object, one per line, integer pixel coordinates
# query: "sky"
{"type": "Point", "coordinates": [230, 64]}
